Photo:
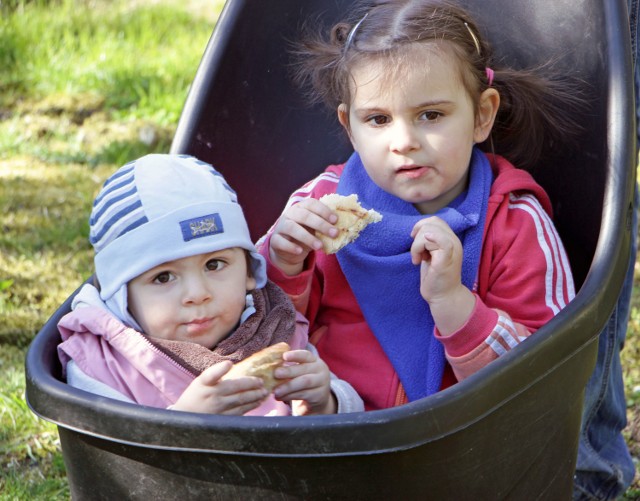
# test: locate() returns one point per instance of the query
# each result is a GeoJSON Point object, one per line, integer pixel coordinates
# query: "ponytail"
{"type": "Point", "coordinates": [536, 107]}
{"type": "Point", "coordinates": [535, 113]}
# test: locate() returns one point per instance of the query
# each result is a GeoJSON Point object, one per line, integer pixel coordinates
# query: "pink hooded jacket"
{"type": "Point", "coordinates": [124, 359]}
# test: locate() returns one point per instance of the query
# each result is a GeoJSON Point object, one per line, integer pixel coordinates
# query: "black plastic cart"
{"type": "Point", "coordinates": [508, 432]}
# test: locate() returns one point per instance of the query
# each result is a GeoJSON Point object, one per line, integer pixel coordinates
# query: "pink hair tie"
{"type": "Point", "coordinates": [490, 74]}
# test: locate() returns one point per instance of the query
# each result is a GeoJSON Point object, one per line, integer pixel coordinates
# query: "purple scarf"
{"type": "Point", "coordinates": [387, 285]}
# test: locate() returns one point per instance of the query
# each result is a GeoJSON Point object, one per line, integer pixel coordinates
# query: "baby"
{"type": "Point", "coordinates": [181, 295]}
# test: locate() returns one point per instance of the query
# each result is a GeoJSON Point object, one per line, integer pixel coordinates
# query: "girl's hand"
{"type": "Point", "coordinates": [294, 234]}
{"type": "Point", "coordinates": [308, 385]}
{"type": "Point", "coordinates": [208, 394]}
{"type": "Point", "coordinates": [438, 251]}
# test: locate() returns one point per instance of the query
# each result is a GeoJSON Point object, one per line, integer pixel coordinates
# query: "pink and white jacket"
{"type": "Point", "coordinates": [102, 355]}
{"type": "Point", "coordinates": [524, 280]}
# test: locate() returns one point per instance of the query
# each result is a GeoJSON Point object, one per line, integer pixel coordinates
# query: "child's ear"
{"type": "Point", "coordinates": [343, 118]}
{"type": "Point", "coordinates": [251, 283]}
{"type": "Point", "coordinates": [487, 110]}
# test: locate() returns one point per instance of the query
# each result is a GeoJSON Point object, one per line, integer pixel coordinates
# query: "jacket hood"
{"type": "Point", "coordinates": [508, 179]}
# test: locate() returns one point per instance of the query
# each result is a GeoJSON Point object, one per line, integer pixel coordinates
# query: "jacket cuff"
{"type": "Point", "coordinates": [476, 329]}
{"type": "Point", "coordinates": [292, 285]}
{"type": "Point", "coordinates": [347, 398]}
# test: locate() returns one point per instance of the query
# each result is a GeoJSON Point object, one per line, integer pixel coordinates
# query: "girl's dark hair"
{"type": "Point", "coordinates": [533, 107]}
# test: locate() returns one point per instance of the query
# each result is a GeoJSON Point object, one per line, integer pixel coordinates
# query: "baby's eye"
{"type": "Point", "coordinates": [215, 264]}
{"type": "Point", "coordinates": [431, 116]}
{"type": "Point", "coordinates": [162, 277]}
{"type": "Point", "coordinates": [378, 120]}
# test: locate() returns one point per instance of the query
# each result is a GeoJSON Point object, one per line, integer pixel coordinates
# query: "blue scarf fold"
{"type": "Point", "coordinates": [387, 285]}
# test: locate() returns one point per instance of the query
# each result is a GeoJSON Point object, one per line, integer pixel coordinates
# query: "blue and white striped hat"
{"type": "Point", "coordinates": [160, 208]}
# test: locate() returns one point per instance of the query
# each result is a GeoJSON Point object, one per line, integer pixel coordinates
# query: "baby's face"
{"type": "Point", "coordinates": [198, 298]}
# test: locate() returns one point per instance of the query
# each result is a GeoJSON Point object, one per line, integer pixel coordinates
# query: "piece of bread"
{"type": "Point", "coordinates": [352, 219]}
{"type": "Point", "coordinates": [261, 364]}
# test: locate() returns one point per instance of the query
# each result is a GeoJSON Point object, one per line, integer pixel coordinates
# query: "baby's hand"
{"type": "Point", "coordinates": [294, 235]}
{"type": "Point", "coordinates": [438, 251]}
{"type": "Point", "coordinates": [308, 385]}
{"type": "Point", "coordinates": [208, 394]}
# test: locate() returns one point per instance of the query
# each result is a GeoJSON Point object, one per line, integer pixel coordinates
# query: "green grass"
{"type": "Point", "coordinates": [43, 240]}
{"type": "Point", "coordinates": [32, 466]}
{"type": "Point", "coordinates": [139, 58]}
{"type": "Point", "coordinates": [84, 87]}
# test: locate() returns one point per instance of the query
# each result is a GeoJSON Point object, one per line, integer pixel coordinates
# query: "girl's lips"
{"type": "Point", "coordinates": [413, 171]}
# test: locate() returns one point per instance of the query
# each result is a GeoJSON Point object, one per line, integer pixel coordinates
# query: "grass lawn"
{"type": "Point", "coordinates": [85, 86]}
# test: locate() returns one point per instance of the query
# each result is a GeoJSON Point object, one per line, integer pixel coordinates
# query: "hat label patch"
{"type": "Point", "coordinates": [202, 226]}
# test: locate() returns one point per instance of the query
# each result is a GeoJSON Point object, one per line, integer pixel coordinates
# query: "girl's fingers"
{"type": "Point", "coordinates": [310, 211]}
{"type": "Point", "coordinates": [303, 236]}
{"type": "Point", "coordinates": [299, 227]}
{"type": "Point", "coordinates": [432, 235]}
{"type": "Point", "coordinates": [316, 207]}
{"type": "Point", "coordinates": [282, 245]}
{"type": "Point", "coordinates": [431, 221]}
{"type": "Point", "coordinates": [423, 245]}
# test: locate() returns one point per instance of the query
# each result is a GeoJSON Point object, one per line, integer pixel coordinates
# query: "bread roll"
{"type": "Point", "coordinates": [261, 364]}
{"type": "Point", "coordinates": [352, 219]}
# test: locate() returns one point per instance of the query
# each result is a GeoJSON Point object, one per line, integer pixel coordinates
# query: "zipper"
{"type": "Point", "coordinates": [165, 356]}
{"type": "Point", "coordinates": [401, 396]}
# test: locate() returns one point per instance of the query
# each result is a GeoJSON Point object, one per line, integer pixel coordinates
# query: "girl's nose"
{"type": "Point", "coordinates": [403, 138]}
{"type": "Point", "coordinates": [196, 291]}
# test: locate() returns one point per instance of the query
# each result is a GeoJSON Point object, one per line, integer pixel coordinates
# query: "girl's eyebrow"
{"type": "Point", "coordinates": [426, 104]}
{"type": "Point", "coordinates": [365, 112]}
{"type": "Point", "coordinates": [435, 102]}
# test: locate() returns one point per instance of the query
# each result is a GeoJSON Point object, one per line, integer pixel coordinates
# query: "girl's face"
{"type": "Point", "coordinates": [415, 130]}
{"type": "Point", "coordinates": [198, 298]}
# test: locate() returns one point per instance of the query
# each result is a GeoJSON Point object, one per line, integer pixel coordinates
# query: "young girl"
{"type": "Point", "coordinates": [466, 262]}
{"type": "Point", "coordinates": [183, 294]}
